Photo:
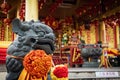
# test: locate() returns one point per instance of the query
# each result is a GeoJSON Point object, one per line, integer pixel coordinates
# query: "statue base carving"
{"type": "Point", "coordinates": [90, 64]}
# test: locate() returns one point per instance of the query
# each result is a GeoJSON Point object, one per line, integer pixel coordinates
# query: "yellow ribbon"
{"type": "Point", "coordinates": [104, 60]}
{"type": "Point", "coordinates": [26, 76]}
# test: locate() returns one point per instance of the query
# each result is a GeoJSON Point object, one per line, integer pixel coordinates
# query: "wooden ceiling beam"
{"type": "Point", "coordinates": [108, 13]}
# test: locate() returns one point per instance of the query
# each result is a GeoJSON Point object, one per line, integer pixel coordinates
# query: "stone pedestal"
{"type": "Point", "coordinates": [90, 64]}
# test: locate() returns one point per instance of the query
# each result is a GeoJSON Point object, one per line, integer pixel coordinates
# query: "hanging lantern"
{"type": "Point", "coordinates": [80, 13]}
{"type": "Point", "coordinates": [55, 5]}
{"type": "Point", "coordinates": [7, 21]}
{"type": "Point", "coordinates": [41, 3]}
{"type": "Point", "coordinates": [103, 19]}
{"type": "Point", "coordinates": [22, 10]}
{"type": "Point", "coordinates": [84, 11]}
{"type": "Point", "coordinates": [118, 22]}
{"type": "Point", "coordinates": [5, 7]}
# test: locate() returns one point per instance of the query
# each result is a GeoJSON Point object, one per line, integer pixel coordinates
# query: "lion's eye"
{"type": "Point", "coordinates": [37, 28]}
{"type": "Point", "coordinates": [21, 39]}
{"type": "Point", "coordinates": [41, 33]}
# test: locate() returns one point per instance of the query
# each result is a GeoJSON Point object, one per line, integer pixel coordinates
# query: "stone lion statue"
{"type": "Point", "coordinates": [31, 35]}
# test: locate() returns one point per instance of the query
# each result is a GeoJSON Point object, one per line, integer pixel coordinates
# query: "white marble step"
{"type": "Point", "coordinates": [94, 73]}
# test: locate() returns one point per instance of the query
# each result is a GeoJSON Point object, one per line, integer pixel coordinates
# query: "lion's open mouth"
{"type": "Point", "coordinates": [44, 44]}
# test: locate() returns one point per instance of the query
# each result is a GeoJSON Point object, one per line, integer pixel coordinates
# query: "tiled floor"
{"type": "Point", "coordinates": [2, 75]}
{"type": "Point", "coordinates": [2, 71]}
{"type": "Point", "coordinates": [2, 68]}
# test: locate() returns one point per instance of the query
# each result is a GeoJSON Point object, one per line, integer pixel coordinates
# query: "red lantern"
{"type": "Point", "coordinates": [41, 3]}
{"type": "Point", "coordinates": [55, 5]}
{"type": "Point", "coordinates": [118, 22]}
{"type": "Point", "coordinates": [103, 19]}
{"type": "Point", "coordinates": [23, 6]}
{"type": "Point", "coordinates": [22, 10]}
{"type": "Point", "coordinates": [5, 7]}
{"type": "Point", "coordinates": [84, 11]}
{"type": "Point", "coordinates": [80, 13]}
{"type": "Point", "coordinates": [7, 21]}
{"type": "Point", "coordinates": [23, 1]}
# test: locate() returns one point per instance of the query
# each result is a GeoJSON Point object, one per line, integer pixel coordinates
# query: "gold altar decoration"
{"type": "Point", "coordinates": [110, 36]}
{"type": "Point", "coordinates": [89, 35]}
{"type": "Point", "coordinates": [106, 53]}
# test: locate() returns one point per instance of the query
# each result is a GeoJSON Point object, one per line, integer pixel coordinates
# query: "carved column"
{"type": "Point", "coordinates": [117, 32]}
{"type": "Point", "coordinates": [31, 10]}
{"type": "Point", "coordinates": [103, 32]}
